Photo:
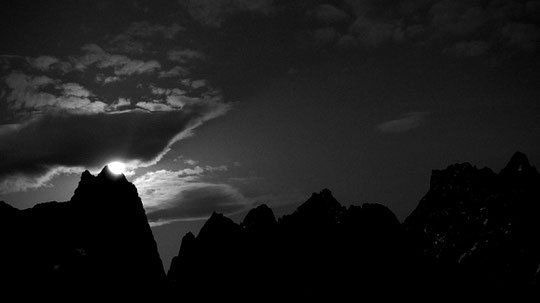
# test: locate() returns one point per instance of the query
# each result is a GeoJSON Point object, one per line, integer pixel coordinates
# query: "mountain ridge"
{"type": "Point", "coordinates": [454, 241]}
{"type": "Point", "coordinates": [473, 231]}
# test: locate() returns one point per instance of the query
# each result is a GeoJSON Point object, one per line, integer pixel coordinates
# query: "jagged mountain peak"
{"type": "Point", "coordinates": [187, 242]}
{"type": "Point", "coordinates": [107, 174]}
{"type": "Point", "coordinates": [260, 217]}
{"type": "Point", "coordinates": [217, 218]}
{"type": "Point", "coordinates": [459, 176]}
{"type": "Point", "coordinates": [107, 187]}
{"type": "Point", "coordinates": [518, 167]}
{"type": "Point", "coordinates": [462, 187]}
{"type": "Point", "coordinates": [322, 201]}
{"type": "Point", "coordinates": [472, 214]}
{"type": "Point", "coordinates": [518, 161]}
{"type": "Point", "coordinates": [216, 226]}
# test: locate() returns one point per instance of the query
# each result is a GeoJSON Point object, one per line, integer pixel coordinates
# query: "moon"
{"type": "Point", "coordinates": [117, 167]}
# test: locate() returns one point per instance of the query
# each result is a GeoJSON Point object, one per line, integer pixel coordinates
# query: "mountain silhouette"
{"type": "Point", "coordinates": [309, 254]}
{"type": "Point", "coordinates": [481, 230]}
{"type": "Point", "coordinates": [98, 242]}
{"type": "Point", "coordinates": [474, 233]}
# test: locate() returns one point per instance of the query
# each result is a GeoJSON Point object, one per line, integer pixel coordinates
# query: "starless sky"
{"type": "Point", "coordinates": [222, 105]}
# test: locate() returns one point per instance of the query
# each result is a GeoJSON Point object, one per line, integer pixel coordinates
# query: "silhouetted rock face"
{"type": "Point", "coordinates": [181, 264]}
{"type": "Point", "coordinates": [317, 252]}
{"type": "Point", "coordinates": [218, 228]}
{"type": "Point", "coordinates": [99, 240]}
{"type": "Point", "coordinates": [474, 230]}
{"type": "Point", "coordinates": [519, 169]}
{"type": "Point", "coordinates": [319, 210]}
{"type": "Point", "coordinates": [259, 219]}
{"type": "Point", "coordinates": [480, 229]}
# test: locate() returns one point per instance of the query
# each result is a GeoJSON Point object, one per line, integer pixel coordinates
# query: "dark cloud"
{"type": "Point", "coordinates": [457, 17]}
{"type": "Point", "coordinates": [145, 29]}
{"type": "Point", "coordinates": [184, 55]}
{"type": "Point", "coordinates": [521, 35]}
{"type": "Point", "coordinates": [325, 35]}
{"type": "Point", "coordinates": [44, 62]}
{"type": "Point", "coordinates": [371, 32]}
{"type": "Point", "coordinates": [213, 12]}
{"type": "Point", "coordinates": [137, 37]}
{"type": "Point", "coordinates": [122, 65]}
{"type": "Point", "coordinates": [176, 71]}
{"type": "Point", "coordinates": [468, 48]}
{"type": "Point", "coordinates": [458, 27]}
{"type": "Point", "coordinates": [45, 143]}
{"type": "Point", "coordinates": [329, 14]}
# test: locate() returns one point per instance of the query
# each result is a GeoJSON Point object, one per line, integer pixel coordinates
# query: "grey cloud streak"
{"type": "Point", "coordinates": [185, 195]}
{"type": "Point", "coordinates": [122, 65]}
{"type": "Point", "coordinates": [404, 123]}
{"type": "Point", "coordinates": [198, 201]}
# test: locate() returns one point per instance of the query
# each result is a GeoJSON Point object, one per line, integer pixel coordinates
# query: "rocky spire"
{"type": "Point", "coordinates": [100, 241]}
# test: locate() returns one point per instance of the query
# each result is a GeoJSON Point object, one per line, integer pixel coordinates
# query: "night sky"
{"type": "Point", "coordinates": [223, 105]}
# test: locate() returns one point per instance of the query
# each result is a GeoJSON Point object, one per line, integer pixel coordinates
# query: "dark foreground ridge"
{"type": "Point", "coordinates": [99, 241]}
{"type": "Point", "coordinates": [474, 232]}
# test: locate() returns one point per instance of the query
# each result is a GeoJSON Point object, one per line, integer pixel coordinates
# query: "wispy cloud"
{"type": "Point", "coordinates": [44, 62]}
{"type": "Point", "coordinates": [468, 48]}
{"type": "Point", "coordinates": [406, 122]}
{"type": "Point", "coordinates": [184, 195]}
{"type": "Point", "coordinates": [184, 55]}
{"type": "Point", "coordinates": [35, 93]}
{"type": "Point", "coordinates": [123, 65]}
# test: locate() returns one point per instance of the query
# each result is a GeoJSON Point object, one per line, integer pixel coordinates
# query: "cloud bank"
{"type": "Point", "coordinates": [62, 114]}
{"type": "Point", "coordinates": [457, 27]}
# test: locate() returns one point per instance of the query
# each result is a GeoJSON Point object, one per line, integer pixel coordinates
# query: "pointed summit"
{"type": "Point", "coordinates": [518, 164]}
{"type": "Point", "coordinates": [218, 226]}
{"type": "Point", "coordinates": [320, 210]}
{"type": "Point", "coordinates": [106, 186]}
{"type": "Point", "coordinates": [260, 218]}
{"type": "Point", "coordinates": [107, 174]}
{"type": "Point", "coordinates": [322, 203]}
{"type": "Point", "coordinates": [181, 263]}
